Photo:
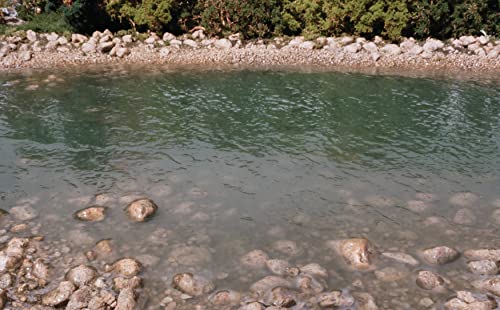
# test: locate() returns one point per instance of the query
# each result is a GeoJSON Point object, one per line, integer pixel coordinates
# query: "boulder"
{"type": "Point", "coordinates": [307, 45]}
{"type": "Point", "coordinates": [352, 48]}
{"type": "Point", "coordinates": [122, 52]}
{"type": "Point", "coordinates": [89, 47]}
{"type": "Point", "coordinates": [286, 247]}
{"type": "Point", "coordinates": [432, 45]}
{"type": "Point", "coordinates": [464, 216]}
{"type": "Point", "coordinates": [77, 38]}
{"type": "Point", "coordinates": [467, 40]}
{"type": "Point", "coordinates": [31, 36]}
{"type": "Point", "coordinates": [391, 50]}
{"type": "Point", "coordinates": [281, 297]}
{"type": "Point", "coordinates": [105, 47]}
{"type": "Point", "coordinates": [370, 47]}
{"type": "Point", "coordinates": [225, 297]}
{"type": "Point", "coordinates": [483, 254]}
{"type": "Point", "coordinates": [190, 43]}
{"type": "Point", "coordinates": [491, 285]}
{"type": "Point", "coordinates": [167, 37]}
{"type": "Point", "coordinates": [80, 299]}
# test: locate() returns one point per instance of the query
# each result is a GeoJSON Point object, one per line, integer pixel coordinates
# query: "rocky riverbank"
{"type": "Point", "coordinates": [36, 50]}
{"type": "Point", "coordinates": [36, 273]}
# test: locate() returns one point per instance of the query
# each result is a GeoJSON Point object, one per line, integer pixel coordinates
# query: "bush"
{"type": "Point", "coordinates": [86, 16]}
{"type": "Point", "coordinates": [46, 22]}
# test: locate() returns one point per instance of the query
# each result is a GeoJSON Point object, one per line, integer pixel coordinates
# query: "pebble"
{"type": "Point", "coordinates": [440, 255]}
{"type": "Point", "coordinates": [81, 275]}
{"type": "Point", "coordinates": [127, 266]}
{"type": "Point", "coordinates": [429, 280]}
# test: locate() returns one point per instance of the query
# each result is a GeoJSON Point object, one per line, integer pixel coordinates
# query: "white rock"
{"type": "Point", "coordinates": [62, 41]}
{"type": "Point", "coordinates": [295, 42]}
{"type": "Point", "coordinates": [307, 45]}
{"type": "Point", "coordinates": [370, 47]}
{"type": "Point", "coordinates": [346, 40]}
{"type": "Point", "coordinates": [432, 45]}
{"type": "Point", "coordinates": [127, 38]}
{"type": "Point", "coordinates": [352, 48]}
{"type": "Point", "coordinates": [150, 40]}
{"type": "Point", "coordinates": [198, 35]}
{"type": "Point", "coordinates": [122, 51]}
{"type": "Point", "coordinates": [483, 40]}
{"type": "Point", "coordinates": [466, 40]}
{"type": "Point", "coordinates": [223, 44]}
{"type": "Point", "coordinates": [26, 55]}
{"type": "Point", "coordinates": [190, 43]}
{"type": "Point", "coordinates": [164, 52]}
{"type": "Point", "coordinates": [31, 36]}
{"type": "Point", "coordinates": [391, 50]}
{"type": "Point", "coordinates": [89, 47]}
{"type": "Point", "coordinates": [167, 37]}
{"type": "Point", "coordinates": [52, 37]}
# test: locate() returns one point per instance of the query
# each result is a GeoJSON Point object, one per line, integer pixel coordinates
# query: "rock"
{"type": "Point", "coordinates": [483, 267]}
{"type": "Point", "coordinates": [314, 270]}
{"type": "Point", "coordinates": [267, 283]}
{"type": "Point", "coordinates": [127, 39]}
{"type": "Point", "coordinates": [105, 38]}
{"type": "Point", "coordinates": [254, 259]}
{"type": "Point", "coordinates": [391, 50]}
{"type": "Point", "coordinates": [120, 283]}
{"type": "Point", "coordinates": [346, 40]}
{"type": "Point", "coordinates": [432, 45]}
{"type": "Point", "coordinates": [24, 213]}
{"type": "Point", "coordinates": [252, 306]}
{"type": "Point", "coordinates": [59, 295]}
{"type": "Point", "coordinates": [122, 51]}
{"type": "Point", "coordinates": [440, 255]}
{"type": "Point", "coordinates": [370, 47]}
{"type": "Point", "coordinates": [105, 47]}
{"type": "Point", "coordinates": [91, 214]}
{"type": "Point", "coordinates": [26, 55]}
{"type": "Point", "coordinates": [402, 258]}
{"type": "Point", "coordinates": [474, 47]}
{"type": "Point", "coordinates": [307, 45]}
{"type": "Point", "coordinates": [464, 216]}
{"type": "Point", "coordinates": [467, 40]}
{"type": "Point", "coordinates": [190, 255]}
{"type": "Point", "coordinates": [491, 285]}
{"type": "Point", "coordinates": [309, 284]}
{"type": "Point", "coordinates": [352, 48]}
{"type": "Point", "coordinates": [416, 50]}
{"type": "Point", "coordinates": [365, 301]}
{"type": "Point", "coordinates": [493, 54]}
{"type": "Point", "coordinates": [150, 40]}
{"type": "Point", "coordinates": [81, 275]}
{"type": "Point", "coordinates": [429, 280]}
{"type": "Point", "coordinates": [335, 299]}
{"type": "Point", "coordinates": [391, 274]}
{"type": "Point", "coordinates": [164, 52]}
{"type": "Point", "coordinates": [295, 42]}
{"type": "Point", "coordinates": [426, 302]}
{"type": "Point", "coordinates": [287, 247]}
{"type": "Point", "coordinates": [223, 44]}
{"type": "Point", "coordinates": [80, 299]}
{"type": "Point", "coordinates": [78, 38]}
{"type": "Point", "coordinates": [198, 34]}
{"type": "Point", "coordinates": [141, 209]}
{"type": "Point", "coordinates": [167, 37]}
{"type": "Point", "coordinates": [193, 285]}
{"type": "Point", "coordinates": [417, 206]}
{"type": "Point", "coordinates": [89, 47]}
{"type": "Point", "coordinates": [226, 297]}
{"type": "Point", "coordinates": [483, 40]}
{"type": "Point", "coordinates": [464, 199]}
{"type": "Point", "coordinates": [190, 43]}
{"type": "Point", "coordinates": [483, 254]}
{"type": "Point", "coordinates": [52, 36]}
{"type": "Point", "coordinates": [281, 297]}
{"type": "Point", "coordinates": [127, 266]}
{"type": "Point", "coordinates": [31, 36]}
{"type": "Point", "coordinates": [357, 253]}
{"type": "Point", "coordinates": [407, 45]}
{"type": "Point", "coordinates": [41, 271]}
{"type": "Point", "coordinates": [62, 41]}
{"type": "Point", "coordinates": [126, 300]}
{"type": "Point", "coordinates": [278, 266]}
{"type": "Point", "coordinates": [6, 280]}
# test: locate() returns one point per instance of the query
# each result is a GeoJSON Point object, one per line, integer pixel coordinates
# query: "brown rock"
{"type": "Point", "coordinates": [278, 266]}
{"type": "Point", "coordinates": [282, 297]}
{"type": "Point", "coordinates": [357, 253]}
{"type": "Point", "coordinates": [252, 306]}
{"type": "Point", "coordinates": [193, 285]}
{"type": "Point", "coordinates": [491, 285]}
{"type": "Point", "coordinates": [309, 284]}
{"type": "Point", "coordinates": [483, 254]}
{"type": "Point", "coordinates": [126, 300]}
{"type": "Point", "coordinates": [365, 301]}
{"type": "Point", "coordinates": [226, 297]}
{"type": "Point", "coordinates": [141, 209]}
{"type": "Point", "coordinates": [81, 275]}
{"type": "Point", "coordinates": [91, 214]}
{"type": "Point", "coordinates": [440, 255]}
{"type": "Point", "coordinates": [254, 259]}
{"type": "Point", "coordinates": [104, 247]}
{"type": "Point", "coordinates": [335, 299]}
{"type": "Point", "coordinates": [120, 283]}
{"type": "Point", "coordinates": [483, 267]}
{"type": "Point", "coordinates": [428, 280]}
{"type": "Point", "coordinates": [3, 299]}
{"type": "Point", "coordinates": [127, 266]}
{"type": "Point", "coordinates": [286, 247]}
{"type": "Point", "coordinates": [58, 295]}
{"type": "Point", "coordinates": [80, 298]}
{"type": "Point", "coordinates": [314, 270]}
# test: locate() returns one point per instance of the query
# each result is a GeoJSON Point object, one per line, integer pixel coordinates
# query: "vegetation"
{"type": "Point", "coordinates": [391, 19]}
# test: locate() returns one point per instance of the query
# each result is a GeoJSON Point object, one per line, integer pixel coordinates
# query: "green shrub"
{"type": "Point", "coordinates": [46, 22]}
{"type": "Point", "coordinates": [302, 17]}
{"type": "Point", "coordinates": [86, 16]}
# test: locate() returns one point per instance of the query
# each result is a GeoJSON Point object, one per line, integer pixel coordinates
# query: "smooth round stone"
{"type": "Point", "coordinates": [226, 297]}
{"type": "Point", "coordinates": [81, 275]}
{"type": "Point", "coordinates": [91, 214]}
{"type": "Point", "coordinates": [483, 267]}
{"type": "Point", "coordinates": [440, 255]}
{"type": "Point", "coordinates": [127, 266]}
{"type": "Point", "coordinates": [23, 213]}
{"type": "Point", "coordinates": [429, 280]}
{"type": "Point", "coordinates": [286, 247]}
{"type": "Point", "coordinates": [194, 285]}
{"type": "Point", "coordinates": [357, 253]}
{"type": "Point", "coordinates": [255, 259]}
{"type": "Point", "coordinates": [465, 199]}
{"type": "Point", "coordinates": [141, 209]}
{"type": "Point", "coordinates": [59, 295]}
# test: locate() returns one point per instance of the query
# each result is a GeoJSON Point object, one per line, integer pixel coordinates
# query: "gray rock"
{"type": "Point", "coordinates": [105, 38]}
{"type": "Point", "coordinates": [190, 43]}
{"type": "Point", "coordinates": [31, 36]}
{"type": "Point", "coordinates": [370, 47]}
{"type": "Point", "coordinates": [127, 38]}
{"type": "Point", "coordinates": [314, 270]}
{"type": "Point", "coordinates": [493, 54]}
{"type": "Point", "coordinates": [307, 45]}
{"type": "Point", "coordinates": [141, 209]}
{"type": "Point", "coordinates": [89, 47]}
{"type": "Point", "coordinates": [127, 266]}
{"type": "Point", "coordinates": [81, 275]}
{"type": "Point", "coordinates": [465, 216]}
{"type": "Point", "coordinates": [483, 254]}
{"type": "Point", "coordinates": [52, 36]}
{"type": "Point", "coordinates": [401, 258]}
{"type": "Point", "coordinates": [429, 280]}
{"type": "Point", "coordinates": [483, 267]}
{"type": "Point", "coordinates": [346, 40]}
{"type": "Point", "coordinates": [6, 280]}
{"type": "Point", "coordinates": [286, 247]}
{"type": "Point", "coordinates": [278, 266]}
{"type": "Point", "coordinates": [480, 52]}
{"type": "Point", "coordinates": [295, 42]}
{"type": "Point", "coordinates": [281, 297]}
{"type": "Point", "coordinates": [52, 45]}
{"type": "Point", "coordinates": [150, 40]}
{"type": "Point", "coordinates": [194, 285]}
{"type": "Point", "coordinates": [391, 274]}
{"type": "Point", "coordinates": [126, 300]}
{"type": "Point", "coordinates": [407, 45]}
{"type": "Point", "coordinates": [58, 295]}
{"type": "Point", "coordinates": [432, 45]}
{"type": "Point", "coordinates": [223, 44]}
{"type": "Point", "coordinates": [463, 199]}
{"type": "Point", "coordinates": [267, 283]}
{"type": "Point", "coordinates": [24, 213]}
{"type": "Point", "coordinates": [467, 40]}
{"type": "Point", "coordinates": [440, 255]}
{"type": "Point", "coordinates": [473, 47]}
{"type": "Point", "coordinates": [105, 47]}
{"type": "Point", "coordinates": [254, 259]}
{"type": "Point", "coordinates": [167, 37]}
{"type": "Point", "coordinates": [252, 306]}
{"type": "Point", "coordinates": [391, 50]}
{"type": "Point", "coordinates": [375, 56]}
{"type": "Point", "coordinates": [164, 52]}
{"type": "Point", "coordinates": [365, 301]}
{"type": "Point", "coordinates": [352, 48]}
{"type": "Point", "coordinates": [335, 299]}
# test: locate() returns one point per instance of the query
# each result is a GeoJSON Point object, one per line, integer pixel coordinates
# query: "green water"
{"type": "Point", "coordinates": [239, 159]}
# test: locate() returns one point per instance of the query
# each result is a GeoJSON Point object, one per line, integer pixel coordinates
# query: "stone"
{"type": "Point", "coordinates": [78, 38]}
{"type": "Point", "coordinates": [80, 299]}
{"type": "Point", "coordinates": [105, 47]}
{"type": "Point", "coordinates": [194, 285]}
{"type": "Point", "coordinates": [346, 40]}
{"type": "Point", "coordinates": [6, 280]}
{"type": "Point", "coordinates": [307, 45]}
{"type": "Point", "coordinates": [105, 38]}
{"type": "Point", "coordinates": [429, 280]}
{"type": "Point", "coordinates": [426, 302]}
{"type": "Point", "coordinates": [417, 206]}
{"type": "Point", "coordinates": [141, 209]}
{"type": "Point", "coordinates": [122, 52]}
{"type": "Point", "coordinates": [314, 270]}
{"type": "Point", "coordinates": [491, 285]}
{"type": "Point", "coordinates": [24, 213]}
{"type": "Point", "coordinates": [335, 299]}
{"type": "Point", "coordinates": [483, 254]}
{"type": "Point", "coordinates": [440, 255]}
{"type": "Point", "coordinates": [391, 274]}
{"type": "Point", "coordinates": [41, 271]}
{"type": "Point", "coordinates": [295, 42]}
{"type": "Point", "coordinates": [81, 275]}
{"type": "Point", "coordinates": [464, 199]}
{"type": "Point", "coordinates": [164, 52]}
{"type": "Point", "coordinates": [464, 216]}
{"type": "Point", "coordinates": [483, 267]}
{"type": "Point", "coordinates": [370, 47]}
{"type": "Point", "coordinates": [252, 306]}
{"type": "Point", "coordinates": [52, 36]}
{"type": "Point", "coordinates": [58, 295]}
{"type": "Point", "coordinates": [127, 266]}
{"type": "Point", "coordinates": [352, 48]}
{"type": "Point", "coordinates": [51, 45]}
{"type": "Point", "coordinates": [31, 36]}
{"type": "Point", "coordinates": [278, 266]}
{"type": "Point", "coordinates": [255, 259]}
{"type": "Point", "coordinates": [89, 47]}
{"type": "Point", "coordinates": [358, 253]}
{"type": "Point", "coordinates": [198, 34]}
{"type": "Point", "coordinates": [226, 297]}
{"type": "Point", "coordinates": [120, 283]}
{"type": "Point", "coordinates": [407, 45]}
{"type": "Point", "coordinates": [467, 40]}
{"type": "Point", "coordinates": [26, 55]}
{"type": "Point", "coordinates": [167, 37]}
{"type": "Point", "coordinates": [3, 299]}
{"type": "Point", "coordinates": [365, 301]}
{"type": "Point", "coordinates": [62, 41]}
{"type": "Point", "coordinates": [91, 214]}
{"type": "Point", "coordinates": [281, 297]}
{"type": "Point", "coordinates": [223, 44]}
{"type": "Point", "coordinates": [432, 45]}
{"type": "Point", "coordinates": [391, 50]}
{"type": "Point", "coordinates": [126, 300]}
{"type": "Point", "coordinates": [127, 39]}
{"type": "Point", "coordinates": [286, 247]}
{"type": "Point", "coordinates": [474, 47]}
{"type": "Point", "coordinates": [401, 258]}
{"type": "Point", "coordinates": [309, 284]}
{"type": "Point", "coordinates": [267, 283]}
{"type": "Point", "coordinates": [150, 40]}
{"type": "Point", "coordinates": [483, 40]}
{"type": "Point", "coordinates": [416, 50]}
{"type": "Point", "coordinates": [493, 54]}
{"type": "Point", "coordinates": [190, 255]}
{"type": "Point", "coordinates": [190, 43]}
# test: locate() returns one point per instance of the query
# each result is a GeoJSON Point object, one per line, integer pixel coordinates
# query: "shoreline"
{"type": "Point", "coordinates": [45, 51]}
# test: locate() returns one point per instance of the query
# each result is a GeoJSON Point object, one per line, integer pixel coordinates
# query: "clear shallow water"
{"type": "Point", "coordinates": [237, 160]}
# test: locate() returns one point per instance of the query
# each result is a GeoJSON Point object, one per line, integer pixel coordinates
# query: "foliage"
{"type": "Point", "coordinates": [86, 16]}
{"type": "Point", "coordinates": [47, 22]}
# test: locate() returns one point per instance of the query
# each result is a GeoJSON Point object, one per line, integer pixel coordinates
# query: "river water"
{"type": "Point", "coordinates": [239, 159]}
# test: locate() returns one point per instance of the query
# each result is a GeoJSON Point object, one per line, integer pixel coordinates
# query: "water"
{"type": "Point", "coordinates": [238, 159]}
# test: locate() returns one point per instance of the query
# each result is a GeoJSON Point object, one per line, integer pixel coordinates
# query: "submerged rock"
{"type": "Point", "coordinates": [265, 284]}
{"type": "Point", "coordinates": [194, 285]}
{"type": "Point", "coordinates": [80, 298]}
{"type": "Point", "coordinates": [465, 199]}
{"type": "Point", "coordinates": [226, 297]}
{"type": "Point", "coordinates": [429, 280]}
{"type": "Point", "coordinates": [282, 297]}
{"type": "Point", "coordinates": [81, 275]}
{"type": "Point", "coordinates": [287, 247]}
{"type": "Point", "coordinates": [365, 301]}
{"type": "Point", "coordinates": [491, 285]}
{"type": "Point", "coordinates": [190, 255]}
{"type": "Point", "coordinates": [254, 259]}
{"type": "Point", "coordinates": [464, 216]}
{"type": "Point", "coordinates": [127, 266]}
{"type": "Point", "coordinates": [483, 254]}
{"type": "Point", "coordinates": [24, 213]}
{"type": "Point", "coordinates": [315, 270]}
{"type": "Point", "coordinates": [335, 299]}
{"type": "Point", "coordinates": [440, 255]}
{"type": "Point", "coordinates": [59, 295]}
{"type": "Point", "coordinates": [278, 266]}
{"type": "Point", "coordinates": [402, 258]}
{"type": "Point", "coordinates": [126, 300]}
{"type": "Point", "coordinates": [91, 214]}
{"type": "Point", "coordinates": [483, 267]}
{"type": "Point", "coordinates": [141, 209]}
{"type": "Point", "coordinates": [357, 253]}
